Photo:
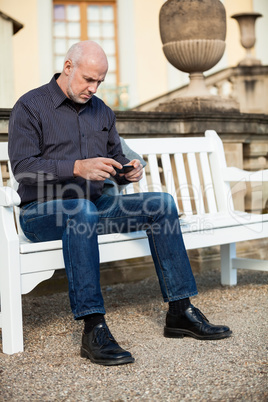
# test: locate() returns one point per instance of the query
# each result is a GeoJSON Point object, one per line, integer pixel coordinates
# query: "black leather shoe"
{"type": "Point", "coordinates": [100, 347]}
{"type": "Point", "coordinates": [193, 323]}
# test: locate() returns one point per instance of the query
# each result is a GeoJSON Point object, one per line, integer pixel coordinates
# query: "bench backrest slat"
{"type": "Point", "coordinates": [1, 180]}
{"type": "Point", "coordinates": [3, 161]}
{"type": "Point", "coordinates": [196, 185]}
{"type": "Point", "coordinates": [4, 152]}
{"type": "Point", "coordinates": [144, 183]}
{"type": "Point", "coordinates": [183, 183]}
{"type": "Point", "coordinates": [217, 162]}
{"type": "Point", "coordinates": [7, 175]}
{"type": "Point", "coordinates": [208, 185]}
{"type": "Point", "coordinates": [168, 175]}
{"type": "Point", "coordinates": [154, 171]}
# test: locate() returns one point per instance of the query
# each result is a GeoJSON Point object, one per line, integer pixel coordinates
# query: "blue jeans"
{"type": "Point", "coordinates": [78, 222]}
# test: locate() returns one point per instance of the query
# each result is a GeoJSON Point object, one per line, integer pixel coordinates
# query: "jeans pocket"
{"type": "Point", "coordinates": [31, 236]}
{"type": "Point", "coordinates": [25, 209]}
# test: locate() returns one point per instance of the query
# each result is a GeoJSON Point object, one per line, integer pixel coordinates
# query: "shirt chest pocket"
{"type": "Point", "coordinates": [100, 143]}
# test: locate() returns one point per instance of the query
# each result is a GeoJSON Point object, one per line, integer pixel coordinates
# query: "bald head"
{"type": "Point", "coordinates": [87, 51]}
{"type": "Point", "coordinates": [85, 68]}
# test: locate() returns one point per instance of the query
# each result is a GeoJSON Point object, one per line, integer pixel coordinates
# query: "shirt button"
{"type": "Point", "coordinates": [83, 135]}
{"type": "Point", "coordinates": [85, 157]}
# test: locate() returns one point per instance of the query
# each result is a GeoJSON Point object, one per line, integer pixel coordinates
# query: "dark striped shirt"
{"type": "Point", "coordinates": [47, 134]}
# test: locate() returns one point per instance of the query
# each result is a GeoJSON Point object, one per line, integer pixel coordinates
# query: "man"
{"type": "Point", "coordinates": [63, 145]}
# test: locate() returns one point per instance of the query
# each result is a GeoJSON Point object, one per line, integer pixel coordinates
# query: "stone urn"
{"type": "Point", "coordinates": [246, 22]}
{"type": "Point", "coordinates": [193, 36]}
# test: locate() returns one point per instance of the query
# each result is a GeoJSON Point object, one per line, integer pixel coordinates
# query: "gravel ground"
{"type": "Point", "coordinates": [185, 369]}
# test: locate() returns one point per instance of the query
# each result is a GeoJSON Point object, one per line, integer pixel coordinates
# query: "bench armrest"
{"type": "Point", "coordinates": [9, 197]}
{"type": "Point", "coordinates": [235, 174]}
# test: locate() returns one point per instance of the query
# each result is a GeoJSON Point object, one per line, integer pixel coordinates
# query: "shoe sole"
{"type": "Point", "coordinates": [124, 360]}
{"type": "Point", "coordinates": [180, 333]}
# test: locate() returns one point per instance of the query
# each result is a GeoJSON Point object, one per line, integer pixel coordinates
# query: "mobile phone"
{"type": "Point", "coordinates": [125, 169]}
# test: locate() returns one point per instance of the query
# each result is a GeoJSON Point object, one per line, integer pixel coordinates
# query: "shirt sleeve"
{"type": "Point", "coordinates": [25, 150]}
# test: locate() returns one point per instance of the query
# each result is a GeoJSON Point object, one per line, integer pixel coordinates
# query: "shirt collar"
{"type": "Point", "coordinates": [58, 96]}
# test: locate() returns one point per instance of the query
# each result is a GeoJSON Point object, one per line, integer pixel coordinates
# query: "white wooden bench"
{"type": "Point", "coordinates": [193, 170]}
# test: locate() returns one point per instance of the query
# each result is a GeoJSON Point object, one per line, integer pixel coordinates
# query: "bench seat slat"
{"type": "Point", "coordinates": [215, 230]}
{"type": "Point", "coordinates": [194, 223]}
{"type": "Point", "coordinates": [29, 247]}
{"type": "Point", "coordinates": [207, 222]}
{"type": "Point", "coordinates": [222, 236]}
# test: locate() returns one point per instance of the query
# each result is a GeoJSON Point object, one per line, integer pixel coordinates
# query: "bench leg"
{"type": "Point", "coordinates": [11, 309]}
{"type": "Point", "coordinates": [228, 274]}
{"type": "Point", "coordinates": [10, 289]}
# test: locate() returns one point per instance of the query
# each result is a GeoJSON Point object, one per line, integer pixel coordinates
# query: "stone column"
{"type": "Point", "coordinates": [6, 67]}
{"type": "Point", "coordinates": [8, 27]}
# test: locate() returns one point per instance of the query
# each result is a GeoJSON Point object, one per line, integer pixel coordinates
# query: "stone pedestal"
{"type": "Point", "coordinates": [250, 87]}
{"type": "Point", "coordinates": [199, 104]}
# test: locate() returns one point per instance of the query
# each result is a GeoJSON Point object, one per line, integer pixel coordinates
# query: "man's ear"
{"type": "Point", "coordinates": [67, 67]}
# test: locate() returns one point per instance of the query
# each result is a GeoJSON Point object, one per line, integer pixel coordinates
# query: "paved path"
{"type": "Point", "coordinates": [233, 369]}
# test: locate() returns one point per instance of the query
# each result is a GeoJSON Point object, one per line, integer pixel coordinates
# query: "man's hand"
{"type": "Point", "coordinates": [135, 174]}
{"type": "Point", "coordinates": [96, 168]}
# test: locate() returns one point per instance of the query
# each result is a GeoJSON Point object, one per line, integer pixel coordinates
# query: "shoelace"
{"type": "Point", "coordinates": [198, 312]}
{"type": "Point", "coordinates": [104, 336]}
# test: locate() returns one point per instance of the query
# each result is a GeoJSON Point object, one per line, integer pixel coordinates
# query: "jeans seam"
{"type": "Point", "coordinates": [71, 265]}
{"type": "Point", "coordinates": [127, 216]}
{"type": "Point", "coordinates": [160, 265]}
{"type": "Point", "coordinates": [39, 217]}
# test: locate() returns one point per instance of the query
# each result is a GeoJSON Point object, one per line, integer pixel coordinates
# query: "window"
{"type": "Point", "coordinates": [81, 20]}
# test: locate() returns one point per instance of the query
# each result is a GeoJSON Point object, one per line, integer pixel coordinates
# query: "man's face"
{"type": "Point", "coordinates": [84, 80]}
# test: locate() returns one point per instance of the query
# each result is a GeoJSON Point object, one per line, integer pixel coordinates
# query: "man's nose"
{"type": "Point", "coordinates": [93, 87]}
